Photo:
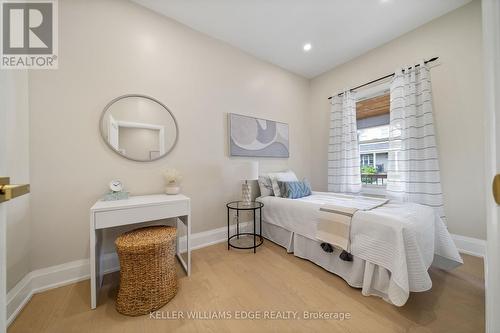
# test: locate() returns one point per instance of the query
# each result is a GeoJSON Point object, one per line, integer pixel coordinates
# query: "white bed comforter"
{"type": "Point", "coordinates": [403, 238]}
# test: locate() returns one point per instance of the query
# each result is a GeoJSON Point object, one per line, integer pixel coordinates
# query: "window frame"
{"type": "Point", "coordinates": [380, 89]}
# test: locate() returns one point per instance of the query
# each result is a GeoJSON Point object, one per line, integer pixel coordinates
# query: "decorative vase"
{"type": "Point", "coordinates": [172, 189]}
{"type": "Point", "coordinates": [246, 194]}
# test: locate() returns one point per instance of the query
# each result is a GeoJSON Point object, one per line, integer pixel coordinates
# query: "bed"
{"type": "Point", "coordinates": [392, 246]}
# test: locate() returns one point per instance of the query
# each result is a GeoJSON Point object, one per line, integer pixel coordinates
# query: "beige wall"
{"type": "Point", "coordinates": [128, 49]}
{"type": "Point", "coordinates": [14, 102]}
{"type": "Point", "coordinates": [458, 104]}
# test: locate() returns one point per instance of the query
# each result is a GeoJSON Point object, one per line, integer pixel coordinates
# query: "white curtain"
{"type": "Point", "coordinates": [344, 173]}
{"type": "Point", "coordinates": [413, 174]}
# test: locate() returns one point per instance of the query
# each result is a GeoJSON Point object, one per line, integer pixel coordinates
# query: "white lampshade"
{"type": "Point", "coordinates": [248, 170]}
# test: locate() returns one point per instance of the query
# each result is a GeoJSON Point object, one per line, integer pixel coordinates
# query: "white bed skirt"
{"type": "Point", "coordinates": [372, 279]}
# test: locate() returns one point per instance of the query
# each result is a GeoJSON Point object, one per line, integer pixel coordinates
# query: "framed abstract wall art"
{"type": "Point", "coordinates": [255, 137]}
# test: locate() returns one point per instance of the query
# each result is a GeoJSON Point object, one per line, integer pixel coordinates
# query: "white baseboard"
{"type": "Point", "coordinates": [468, 245]}
{"type": "Point", "coordinates": [60, 275]}
{"type": "Point", "coordinates": [49, 278]}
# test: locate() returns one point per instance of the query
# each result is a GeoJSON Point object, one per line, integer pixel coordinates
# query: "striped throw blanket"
{"type": "Point", "coordinates": [334, 225]}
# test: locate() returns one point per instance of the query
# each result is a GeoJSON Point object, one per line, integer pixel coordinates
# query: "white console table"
{"type": "Point", "coordinates": [138, 209]}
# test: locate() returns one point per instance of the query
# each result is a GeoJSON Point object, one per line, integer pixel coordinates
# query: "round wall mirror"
{"type": "Point", "coordinates": [139, 127]}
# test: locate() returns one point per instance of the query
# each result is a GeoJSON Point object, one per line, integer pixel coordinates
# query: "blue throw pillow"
{"type": "Point", "coordinates": [295, 190]}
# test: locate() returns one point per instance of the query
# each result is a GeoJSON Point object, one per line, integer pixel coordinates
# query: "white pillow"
{"type": "Point", "coordinates": [286, 176]}
{"type": "Point", "coordinates": [265, 185]}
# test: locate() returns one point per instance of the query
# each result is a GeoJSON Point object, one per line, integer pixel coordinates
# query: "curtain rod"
{"type": "Point", "coordinates": [382, 78]}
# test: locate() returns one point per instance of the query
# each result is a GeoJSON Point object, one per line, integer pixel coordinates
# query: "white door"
{"type": "Point", "coordinates": [14, 153]}
{"type": "Point", "coordinates": [3, 220]}
{"type": "Point", "coordinates": [491, 39]}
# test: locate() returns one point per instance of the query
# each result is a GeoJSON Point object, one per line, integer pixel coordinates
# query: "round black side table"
{"type": "Point", "coordinates": [240, 206]}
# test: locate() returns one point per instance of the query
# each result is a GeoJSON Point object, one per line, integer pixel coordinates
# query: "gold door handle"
{"type": "Point", "coordinates": [496, 188]}
{"type": "Point", "coordinates": [8, 192]}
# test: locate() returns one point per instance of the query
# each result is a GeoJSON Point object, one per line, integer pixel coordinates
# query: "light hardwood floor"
{"type": "Point", "coordinates": [270, 280]}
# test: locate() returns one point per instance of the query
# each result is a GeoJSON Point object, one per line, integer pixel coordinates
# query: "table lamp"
{"type": "Point", "coordinates": [247, 171]}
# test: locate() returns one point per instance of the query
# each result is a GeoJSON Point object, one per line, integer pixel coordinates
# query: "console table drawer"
{"type": "Point", "coordinates": [113, 218]}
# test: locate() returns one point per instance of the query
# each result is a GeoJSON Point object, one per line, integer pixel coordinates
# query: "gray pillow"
{"type": "Point", "coordinates": [265, 185]}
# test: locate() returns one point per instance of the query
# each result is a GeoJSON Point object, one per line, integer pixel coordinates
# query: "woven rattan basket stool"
{"type": "Point", "coordinates": [148, 277]}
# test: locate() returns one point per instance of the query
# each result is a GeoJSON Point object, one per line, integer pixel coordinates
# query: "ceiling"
{"type": "Point", "coordinates": [276, 30]}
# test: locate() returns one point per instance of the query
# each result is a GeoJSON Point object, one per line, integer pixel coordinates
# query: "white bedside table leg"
{"type": "Point", "coordinates": [94, 265]}
{"type": "Point", "coordinates": [177, 248]}
{"type": "Point", "coordinates": [188, 234]}
{"type": "Point", "coordinates": [93, 300]}
{"type": "Point", "coordinates": [186, 263]}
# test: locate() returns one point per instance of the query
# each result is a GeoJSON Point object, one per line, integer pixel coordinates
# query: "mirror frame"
{"type": "Point", "coordinates": [114, 100]}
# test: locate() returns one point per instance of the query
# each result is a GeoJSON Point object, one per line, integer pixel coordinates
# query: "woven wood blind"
{"type": "Point", "coordinates": [373, 106]}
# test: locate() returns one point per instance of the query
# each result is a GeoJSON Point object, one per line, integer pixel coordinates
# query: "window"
{"type": "Point", "coordinates": [366, 160]}
{"type": "Point", "coordinates": [373, 137]}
